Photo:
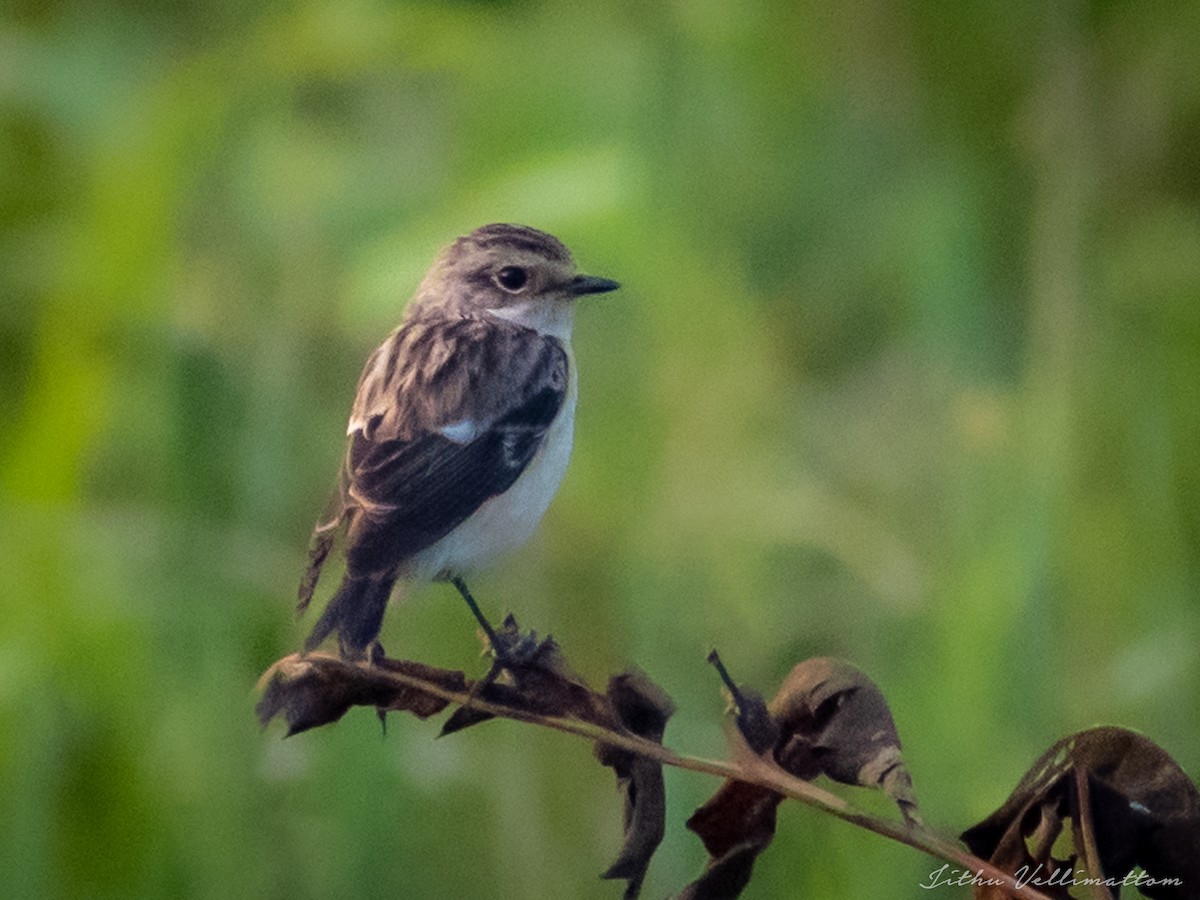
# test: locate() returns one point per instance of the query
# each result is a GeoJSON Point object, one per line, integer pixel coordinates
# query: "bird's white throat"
{"type": "Point", "coordinates": [549, 317]}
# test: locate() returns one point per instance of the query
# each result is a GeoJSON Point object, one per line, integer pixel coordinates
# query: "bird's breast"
{"type": "Point", "coordinates": [505, 522]}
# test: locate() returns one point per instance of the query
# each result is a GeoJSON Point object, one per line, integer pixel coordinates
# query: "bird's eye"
{"type": "Point", "coordinates": [512, 278]}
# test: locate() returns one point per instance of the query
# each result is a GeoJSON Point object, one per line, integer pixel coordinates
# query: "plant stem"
{"type": "Point", "coordinates": [749, 768]}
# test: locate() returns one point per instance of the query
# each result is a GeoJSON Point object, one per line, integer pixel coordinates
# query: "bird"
{"type": "Point", "coordinates": [460, 431]}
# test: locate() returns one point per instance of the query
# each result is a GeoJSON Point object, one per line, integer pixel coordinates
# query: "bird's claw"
{"type": "Point", "coordinates": [512, 648]}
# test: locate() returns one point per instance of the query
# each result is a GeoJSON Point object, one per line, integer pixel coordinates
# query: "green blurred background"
{"type": "Point", "coordinates": [906, 369]}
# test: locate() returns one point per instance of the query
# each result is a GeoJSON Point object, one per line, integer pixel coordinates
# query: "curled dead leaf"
{"type": "Point", "coordinates": [1126, 804]}
{"type": "Point", "coordinates": [642, 708]}
{"type": "Point", "coordinates": [834, 720]}
{"type": "Point", "coordinates": [318, 689]}
{"type": "Point", "coordinates": [827, 718]}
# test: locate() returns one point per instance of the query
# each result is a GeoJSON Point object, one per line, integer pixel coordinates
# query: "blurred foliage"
{"type": "Point", "coordinates": [906, 370]}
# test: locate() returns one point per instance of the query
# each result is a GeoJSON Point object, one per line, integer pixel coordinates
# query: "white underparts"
{"type": "Point", "coordinates": [505, 522]}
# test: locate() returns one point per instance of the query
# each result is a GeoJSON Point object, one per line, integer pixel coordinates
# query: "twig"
{"type": "Point", "coordinates": [752, 769]}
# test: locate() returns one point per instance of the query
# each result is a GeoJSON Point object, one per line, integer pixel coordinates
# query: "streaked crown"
{"type": "Point", "coordinates": [508, 239]}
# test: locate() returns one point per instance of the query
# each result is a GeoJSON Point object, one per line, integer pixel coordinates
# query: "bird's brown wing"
{"type": "Point", "coordinates": [448, 415]}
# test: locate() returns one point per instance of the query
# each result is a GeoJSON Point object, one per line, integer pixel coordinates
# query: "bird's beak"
{"type": "Point", "coordinates": [591, 284]}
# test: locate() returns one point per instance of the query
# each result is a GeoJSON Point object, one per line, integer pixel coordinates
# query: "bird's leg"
{"type": "Point", "coordinates": [509, 646]}
{"type": "Point", "coordinates": [475, 610]}
{"type": "Point", "coordinates": [376, 653]}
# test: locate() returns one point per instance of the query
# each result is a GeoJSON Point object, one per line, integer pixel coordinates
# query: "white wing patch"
{"type": "Point", "coordinates": [461, 432]}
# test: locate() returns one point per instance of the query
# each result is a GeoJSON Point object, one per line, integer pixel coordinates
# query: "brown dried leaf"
{"type": "Point", "coordinates": [736, 825]}
{"type": "Point", "coordinates": [1128, 802]}
{"type": "Point", "coordinates": [643, 708]}
{"type": "Point", "coordinates": [834, 720]}
{"type": "Point", "coordinates": [727, 875]}
{"type": "Point", "coordinates": [317, 689]}
{"type": "Point", "coordinates": [827, 718]}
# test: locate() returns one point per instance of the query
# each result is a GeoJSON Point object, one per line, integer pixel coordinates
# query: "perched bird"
{"type": "Point", "coordinates": [461, 428]}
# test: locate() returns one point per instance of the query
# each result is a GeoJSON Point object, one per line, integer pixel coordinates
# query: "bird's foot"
{"type": "Point", "coordinates": [512, 648]}
{"type": "Point", "coordinates": [371, 655]}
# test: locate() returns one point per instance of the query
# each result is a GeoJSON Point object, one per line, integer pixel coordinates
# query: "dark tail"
{"type": "Point", "coordinates": [319, 546]}
{"type": "Point", "coordinates": [355, 613]}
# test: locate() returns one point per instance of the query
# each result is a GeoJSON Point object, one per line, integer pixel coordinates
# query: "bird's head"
{"type": "Point", "coordinates": [509, 272]}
